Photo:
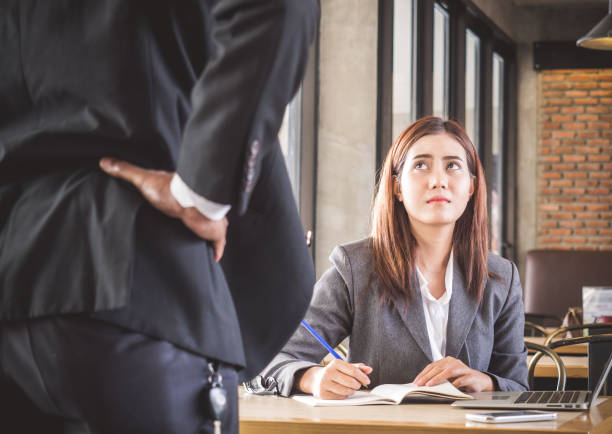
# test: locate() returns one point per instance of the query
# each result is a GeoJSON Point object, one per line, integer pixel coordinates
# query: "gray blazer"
{"type": "Point", "coordinates": [487, 337]}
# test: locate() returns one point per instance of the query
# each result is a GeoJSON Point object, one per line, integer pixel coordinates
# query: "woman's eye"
{"type": "Point", "coordinates": [420, 165]}
{"type": "Point", "coordinates": [452, 165]}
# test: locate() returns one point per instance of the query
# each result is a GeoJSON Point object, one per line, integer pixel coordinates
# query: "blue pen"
{"type": "Point", "coordinates": [321, 340]}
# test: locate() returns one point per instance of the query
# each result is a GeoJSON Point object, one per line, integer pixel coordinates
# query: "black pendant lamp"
{"type": "Point", "coordinates": [600, 36]}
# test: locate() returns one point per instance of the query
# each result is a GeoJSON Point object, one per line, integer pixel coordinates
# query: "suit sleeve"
{"type": "Point", "coordinates": [260, 55]}
{"type": "Point", "coordinates": [330, 314]}
{"type": "Point", "coordinates": [508, 366]}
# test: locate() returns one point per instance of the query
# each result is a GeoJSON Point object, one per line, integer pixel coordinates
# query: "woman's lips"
{"type": "Point", "coordinates": [438, 200]}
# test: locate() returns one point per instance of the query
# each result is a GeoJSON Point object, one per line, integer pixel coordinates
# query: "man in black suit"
{"type": "Point", "coordinates": [115, 315]}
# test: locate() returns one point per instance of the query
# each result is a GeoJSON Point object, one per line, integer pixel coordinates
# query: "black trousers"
{"type": "Point", "coordinates": [74, 374]}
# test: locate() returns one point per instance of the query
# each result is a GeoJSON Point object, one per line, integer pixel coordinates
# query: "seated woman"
{"type": "Point", "coordinates": [422, 299]}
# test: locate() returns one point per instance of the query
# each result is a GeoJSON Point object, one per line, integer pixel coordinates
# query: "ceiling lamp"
{"type": "Point", "coordinates": [600, 37]}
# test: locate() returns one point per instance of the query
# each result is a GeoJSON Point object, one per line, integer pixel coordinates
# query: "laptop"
{"type": "Point", "coordinates": [549, 400]}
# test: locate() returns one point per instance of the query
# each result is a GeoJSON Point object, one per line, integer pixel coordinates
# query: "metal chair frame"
{"type": "Point", "coordinates": [541, 350]}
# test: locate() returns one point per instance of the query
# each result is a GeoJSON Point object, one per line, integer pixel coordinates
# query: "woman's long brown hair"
{"type": "Point", "coordinates": [394, 244]}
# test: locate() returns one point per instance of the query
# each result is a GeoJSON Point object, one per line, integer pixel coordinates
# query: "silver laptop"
{"type": "Point", "coordinates": [569, 400]}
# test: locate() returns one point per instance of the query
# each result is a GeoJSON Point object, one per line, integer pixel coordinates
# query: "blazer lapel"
{"type": "Point", "coordinates": [461, 313]}
{"type": "Point", "coordinates": [414, 319]}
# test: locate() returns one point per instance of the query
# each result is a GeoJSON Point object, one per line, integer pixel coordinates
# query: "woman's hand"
{"type": "Point", "coordinates": [455, 371]}
{"type": "Point", "coordinates": [338, 380]}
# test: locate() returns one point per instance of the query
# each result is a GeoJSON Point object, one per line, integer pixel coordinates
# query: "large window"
{"type": "Point", "coordinates": [404, 110]}
{"type": "Point", "coordinates": [497, 154]}
{"type": "Point", "coordinates": [446, 58]}
{"type": "Point", "coordinates": [440, 62]}
{"type": "Point", "coordinates": [472, 86]}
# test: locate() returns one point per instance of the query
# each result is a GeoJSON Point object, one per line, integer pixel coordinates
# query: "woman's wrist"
{"type": "Point", "coordinates": [304, 379]}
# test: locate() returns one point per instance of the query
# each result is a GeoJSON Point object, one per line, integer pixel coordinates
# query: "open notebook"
{"type": "Point", "coordinates": [391, 394]}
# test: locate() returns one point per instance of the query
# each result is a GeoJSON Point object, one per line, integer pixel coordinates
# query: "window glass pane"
{"type": "Point", "coordinates": [472, 84]}
{"type": "Point", "coordinates": [440, 62]}
{"type": "Point", "coordinates": [290, 143]}
{"type": "Point", "coordinates": [403, 65]}
{"type": "Point", "coordinates": [497, 152]}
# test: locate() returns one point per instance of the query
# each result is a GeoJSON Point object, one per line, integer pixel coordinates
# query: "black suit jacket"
{"type": "Point", "coordinates": [193, 86]}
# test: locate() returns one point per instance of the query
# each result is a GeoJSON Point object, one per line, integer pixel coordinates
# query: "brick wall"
{"type": "Point", "coordinates": [575, 159]}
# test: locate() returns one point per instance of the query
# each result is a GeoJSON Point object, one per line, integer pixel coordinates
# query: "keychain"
{"type": "Point", "coordinates": [217, 396]}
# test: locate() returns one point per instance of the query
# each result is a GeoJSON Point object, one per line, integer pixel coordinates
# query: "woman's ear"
{"type": "Point", "coordinates": [397, 190]}
{"type": "Point", "coordinates": [472, 179]}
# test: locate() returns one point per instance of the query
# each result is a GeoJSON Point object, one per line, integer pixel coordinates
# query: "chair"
{"type": "Point", "coordinates": [541, 350]}
{"type": "Point", "coordinates": [554, 278]}
{"type": "Point", "coordinates": [600, 347]}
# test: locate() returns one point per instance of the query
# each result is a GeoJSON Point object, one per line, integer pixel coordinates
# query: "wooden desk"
{"type": "Point", "coordinates": [575, 366]}
{"type": "Point", "coordinates": [276, 415]}
{"type": "Point", "coordinates": [578, 349]}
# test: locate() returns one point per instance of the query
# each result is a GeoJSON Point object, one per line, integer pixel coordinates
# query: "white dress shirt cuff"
{"type": "Point", "coordinates": [186, 197]}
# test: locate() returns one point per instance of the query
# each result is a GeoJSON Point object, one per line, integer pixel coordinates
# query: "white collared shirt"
{"type": "Point", "coordinates": [436, 311]}
{"type": "Point", "coordinates": [186, 198]}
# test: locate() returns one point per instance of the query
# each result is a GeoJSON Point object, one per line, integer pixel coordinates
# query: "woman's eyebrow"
{"type": "Point", "coordinates": [447, 157]}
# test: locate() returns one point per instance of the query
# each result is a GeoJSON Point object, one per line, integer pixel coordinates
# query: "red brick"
{"type": "Point", "coordinates": [607, 134]}
{"type": "Point", "coordinates": [574, 158]}
{"type": "Point", "coordinates": [598, 207]}
{"type": "Point", "coordinates": [599, 190]}
{"type": "Point", "coordinates": [566, 101]}
{"type": "Point", "coordinates": [562, 215]}
{"type": "Point", "coordinates": [572, 207]}
{"type": "Point", "coordinates": [545, 134]}
{"type": "Point", "coordinates": [599, 158]}
{"type": "Point", "coordinates": [573, 109]}
{"type": "Point", "coordinates": [604, 117]}
{"type": "Point", "coordinates": [573, 142]}
{"type": "Point", "coordinates": [597, 224]}
{"type": "Point", "coordinates": [553, 77]}
{"type": "Point", "coordinates": [599, 125]}
{"type": "Point", "coordinates": [549, 207]}
{"type": "Point", "coordinates": [588, 150]}
{"type": "Point", "coordinates": [586, 101]}
{"type": "Point", "coordinates": [561, 183]}
{"type": "Point", "coordinates": [607, 166]}
{"type": "Point", "coordinates": [571, 224]}
{"type": "Point", "coordinates": [606, 101]}
{"type": "Point", "coordinates": [561, 232]}
{"type": "Point", "coordinates": [564, 166]}
{"type": "Point", "coordinates": [600, 240]}
{"type": "Point", "coordinates": [562, 199]}
{"type": "Point", "coordinates": [561, 150]}
{"type": "Point", "coordinates": [550, 191]}
{"type": "Point", "coordinates": [606, 182]}
{"type": "Point", "coordinates": [605, 232]}
{"type": "Point", "coordinates": [575, 191]}
{"type": "Point", "coordinates": [585, 86]}
{"type": "Point", "coordinates": [597, 110]}
{"type": "Point", "coordinates": [598, 142]}
{"type": "Point", "coordinates": [588, 134]}
{"type": "Point", "coordinates": [602, 77]}
{"type": "Point", "coordinates": [563, 134]}
{"type": "Point", "coordinates": [551, 126]}
{"type": "Point", "coordinates": [589, 166]}
{"type": "Point", "coordinates": [577, 77]}
{"type": "Point", "coordinates": [555, 94]}
{"type": "Point", "coordinates": [549, 240]}
{"type": "Point", "coordinates": [562, 86]}
{"type": "Point", "coordinates": [605, 85]}
{"type": "Point", "coordinates": [585, 231]}
{"type": "Point", "coordinates": [600, 175]}
{"type": "Point", "coordinates": [551, 158]}
{"type": "Point", "coordinates": [587, 215]}
{"type": "Point", "coordinates": [573, 126]}
{"type": "Point", "coordinates": [605, 199]}
{"type": "Point", "coordinates": [574, 175]}
{"type": "Point", "coordinates": [568, 118]}
{"type": "Point", "coordinates": [575, 240]}
{"type": "Point", "coordinates": [583, 117]}
{"type": "Point", "coordinates": [551, 142]}
{"type": "Point", "coordinates": [588, 199]}
{"type": "Point", "coordinates": [606, 215]}
{"type": "Point", "coordinates": [549, 224]}
{"type": "Point", "coordinates": [574, 93]}
{"type": "Point", "coordinates": [599, 93]}
{"type": "Point", "coordinates": [586, 182]}
{"type": "Point", "coordinates": [553, 110]}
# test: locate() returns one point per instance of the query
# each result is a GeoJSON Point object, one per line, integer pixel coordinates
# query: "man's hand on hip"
{"type": "Point", "coordinates": [154, 185]}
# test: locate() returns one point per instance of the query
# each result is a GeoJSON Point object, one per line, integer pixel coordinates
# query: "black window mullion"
{"type": "Point", "coordinates": [424, 58]}
{"type": "Point", "coordinates": [457, 64]}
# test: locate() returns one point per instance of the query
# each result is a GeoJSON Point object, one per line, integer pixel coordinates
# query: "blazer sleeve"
{"type": "Point", "coordinates": [508, 365]}
{"type": "Point", "coordinates": [330, 314]}
{"type": "Point", "coordinates": [238, 102]}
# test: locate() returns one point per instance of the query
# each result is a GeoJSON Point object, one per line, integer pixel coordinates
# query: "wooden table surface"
{"type": "Point", "coordinates": [575, 366]}
{"type": "Point", "coordinates": [276, 415]}
{"type": "Point", "coordinates": [579, 349]}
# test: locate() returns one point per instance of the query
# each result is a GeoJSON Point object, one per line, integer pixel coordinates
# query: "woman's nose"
{"type": "Point", "coordinates": [438, 179]}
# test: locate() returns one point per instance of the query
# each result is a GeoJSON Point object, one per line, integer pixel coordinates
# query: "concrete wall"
{"type": "Point", "coordinates": [347, 124]}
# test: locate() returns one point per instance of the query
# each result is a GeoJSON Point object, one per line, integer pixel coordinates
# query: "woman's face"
{"type": "Point", "coordinates": [435, 184]}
